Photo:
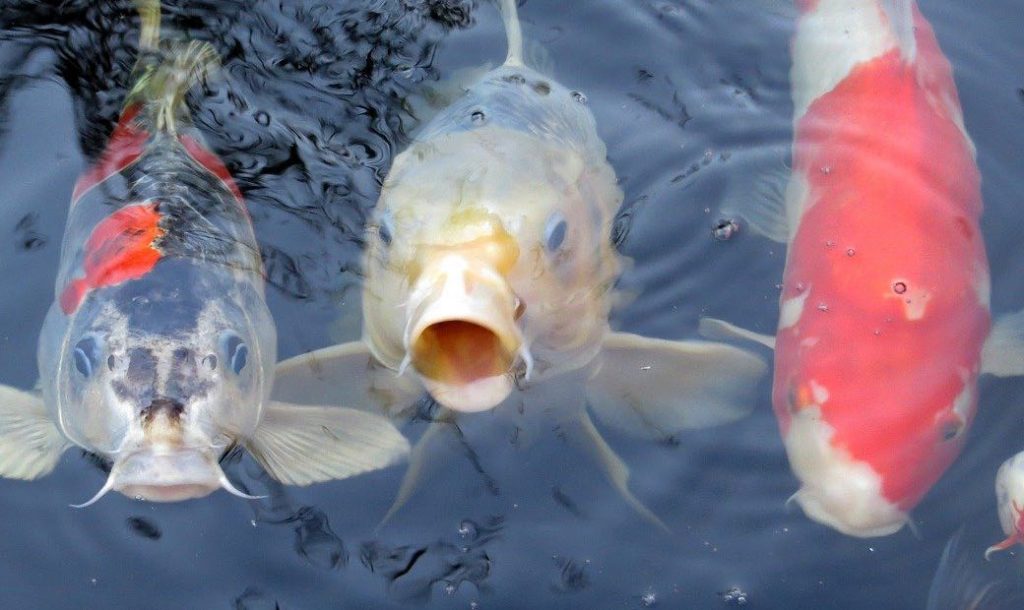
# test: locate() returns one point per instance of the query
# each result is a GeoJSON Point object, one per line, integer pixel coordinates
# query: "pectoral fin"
{"type": "Point", "coordinates": [424, 455]}
{"type": "Point", "coordinates": [654, 388]}
{"type": "Point", "coordinates": [1003, 354]}
{"type": "Point", "coordinates": [30, 442]}
{"type": "Point", "coordinates": [615, 469]}
{"type": "Point", "coordinates": [719, 330]}
{"type": "Point", "coordinates": [299, 444]}
{"type": "Point", "coordinates": [345, 374]}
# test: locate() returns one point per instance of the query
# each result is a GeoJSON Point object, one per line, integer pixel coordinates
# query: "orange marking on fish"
{"type": "Point", "coordinates": [122, 247]}
{"type": "Point", "coordinates": [210, 163]}
{"type": "Point", "coordinates": [126, 145]}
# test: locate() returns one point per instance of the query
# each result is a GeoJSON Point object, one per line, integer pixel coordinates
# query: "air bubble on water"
{"type": "Point", "coordinates": [734, 597]}
{"type": "Point", "coordinates": [850, 252]}
{"type": "Point", "coordinates": [261, 117]}
{"type": "Point", "coordinates": [450, 588]}
{"type": "Point", "coordinates": [724, 229]}
{"type": "Point", "coordinates": [899, 287]}
{"type": "Point", "coordinates": [649, 599]}
{"type": "Point", "coordinates": [579, 97]}
{"type": "Point", "coordinates": [468, 529]}
{"type": "Point", "coordinates": [474, 605]}
{"type": "Point", "coordinates": [823, 307]}
{"type": "Point", "coordinates": [826, 169]}
{"type": "Point", "coordinates": [478, 117]}
{"type": "Point", "coordinates": [830, 243]}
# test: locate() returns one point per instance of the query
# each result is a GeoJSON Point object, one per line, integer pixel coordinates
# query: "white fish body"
{"type": "Point", "coordinates": [490, 265]}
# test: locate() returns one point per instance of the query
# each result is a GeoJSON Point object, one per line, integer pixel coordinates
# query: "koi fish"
{"type": "Point", "coordinates": [490, 266]}
{"type": "Point", "coordinates": [884, 309]}
{"type": "Point", "coordinates": [158, 353]}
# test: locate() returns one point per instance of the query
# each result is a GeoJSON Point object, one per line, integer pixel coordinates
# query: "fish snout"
{"type": "Point", "coordinates": [159, 476]}
{"type": "Point", "coordinates": [837, 489]}
{"type": "Point", "coordinates": [462, 337]}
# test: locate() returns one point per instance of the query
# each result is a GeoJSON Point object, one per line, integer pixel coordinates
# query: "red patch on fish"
{"type": "Point", "coordinates": [889, 255]}
{"type": "Point", "coordinates": [210, 163]}
{"type": "Point", "coordinates": [122, 247]}
{"type": "Point", "coordinates": [126, 145]}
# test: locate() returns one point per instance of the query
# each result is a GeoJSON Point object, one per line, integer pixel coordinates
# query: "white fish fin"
{"type": "Point", "coordinates": [901, 20]}
{"type": "Point", "coordinates": [30, 442]}
{"type": "Point", "coordinates": [720, 330]}
{"type": "Point", "coordinates": [614, 468]}
{"type": "Point", "coordinates": [1003, 353]}
{"type": "Point", "coordinates": [965, 581]}
{"type": "Point", "coordinates": [654, 388]}
{"type": "Point", "coordinates": [764, 210]}
{"type": "Point", "coordinates": [513, 32]}
{"type": "Point", "coordinates": [299, 445]}
{"type": "Point", "coordinates": [419, 461]}
{"type": "Point", "coordinates": [345, 374]}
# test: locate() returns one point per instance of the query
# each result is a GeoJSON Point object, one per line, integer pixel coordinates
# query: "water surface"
{"type": "Point", "coordinates": [692, 100]}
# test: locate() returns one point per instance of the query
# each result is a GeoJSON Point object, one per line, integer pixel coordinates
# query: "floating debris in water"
{"type": "Point", "coordinates": [316, 542]}
{"type": "Point", "coordinates": [254, 599]}
{"type": "Point", "coordinates": [572, 576]}
{"type": "Point", "coordinates": [724, 229]}
{"type": "Point", "coordinates": [734, 597]}
{"type": "Point", "coordinates": [143, 528]}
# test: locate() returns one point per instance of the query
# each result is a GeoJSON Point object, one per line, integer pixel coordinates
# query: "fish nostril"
{"type": "Point", "coordinates": [172, 407]}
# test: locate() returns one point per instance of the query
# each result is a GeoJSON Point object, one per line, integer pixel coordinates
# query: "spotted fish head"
{"type": "Point", "coordinates": [162, 376]}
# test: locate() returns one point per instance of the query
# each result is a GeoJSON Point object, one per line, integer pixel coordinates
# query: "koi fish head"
{"type": "Point", "coordinates": [161, 375]}
{"type": "Point", "coordinates": [487, 261]}
{"type": "Point", "coordinates": [862, 478]}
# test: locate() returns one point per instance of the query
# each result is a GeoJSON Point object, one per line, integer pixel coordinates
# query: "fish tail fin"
{"type": "Point", "coordinates": [513, 32]}
{"type": "Point", "coordinates": [167, 71]}
{"type": "Point", "coordinates": [149, 33]}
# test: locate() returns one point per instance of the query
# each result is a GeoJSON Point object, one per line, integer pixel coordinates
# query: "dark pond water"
{"type": "Point", "coordinates": [692, 100]}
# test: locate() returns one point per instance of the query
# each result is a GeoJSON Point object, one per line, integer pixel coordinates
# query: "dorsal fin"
{"type": "Point", "coordinates": [901, 20]}
{"type": "Point", "coordinates": [166, 75]}
{"type": "Point", "coordinates": [513, 33]}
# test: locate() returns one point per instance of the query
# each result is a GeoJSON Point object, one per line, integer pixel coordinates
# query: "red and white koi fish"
{"type": "Point", "coordinates": [490, 268]}
{"type": "Point", "coordinates": [159, 351]}
{"type": "Point", "coordinates": [885, 300]}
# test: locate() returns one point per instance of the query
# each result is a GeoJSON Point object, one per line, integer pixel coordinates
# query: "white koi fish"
{"type": "Point", "coordinates": [490, 265]}
{"type": "Point", "coordinates": [158, 354]}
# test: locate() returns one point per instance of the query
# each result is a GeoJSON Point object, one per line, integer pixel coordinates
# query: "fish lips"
{"type": "Point", "coordinates": [167, 476]}
{"type": "Point", "coordinates": [462, 338]}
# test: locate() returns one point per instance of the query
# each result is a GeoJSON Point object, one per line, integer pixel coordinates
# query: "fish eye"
{"type": "Point", "coordinates": [384, 229]}
{"type": "Point", "coordinates": [555, 231]}
{"type": "Point", "coordinates": [235, 351]}
{"type": "Point", "coordinates": [86, 354]}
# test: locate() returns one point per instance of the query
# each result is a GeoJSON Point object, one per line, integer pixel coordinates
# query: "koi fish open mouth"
{"type": "Point", "coordinates": [462, 337]}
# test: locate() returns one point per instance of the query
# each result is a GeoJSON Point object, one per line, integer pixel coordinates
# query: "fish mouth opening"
{"type": "Point", "coordinates": [462, 338]}
{"type": "Point", "coordinates": [464, 365]}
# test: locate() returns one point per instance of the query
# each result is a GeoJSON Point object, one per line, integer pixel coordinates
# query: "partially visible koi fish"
{"type": "Point", "coordinates": [884, 308]}
{"type": "Point", "coordinates": [159, 351]}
